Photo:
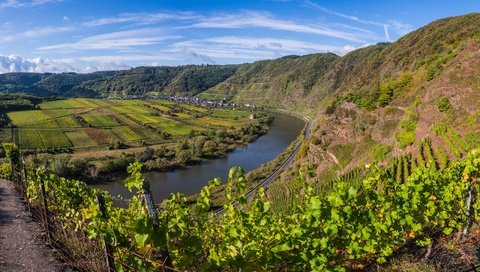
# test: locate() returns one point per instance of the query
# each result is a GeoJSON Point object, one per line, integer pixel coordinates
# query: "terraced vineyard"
{"type": "Point", "coordinates": [450, 147]}
{"type": "Point", "coordinates": [79, 123]}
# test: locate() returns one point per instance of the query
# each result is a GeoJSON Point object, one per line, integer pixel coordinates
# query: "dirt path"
{"type": "Point", "coordinates": [20, 246]}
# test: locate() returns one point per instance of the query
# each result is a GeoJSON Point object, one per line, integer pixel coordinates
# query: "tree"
{"type": "Point", "coordinates": [210, 147]}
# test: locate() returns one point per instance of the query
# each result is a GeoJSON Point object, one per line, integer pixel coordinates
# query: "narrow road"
{"type": "Point", "coordinates": [20, 246]}
{"type": "Point", "coordinates": [279, 170]}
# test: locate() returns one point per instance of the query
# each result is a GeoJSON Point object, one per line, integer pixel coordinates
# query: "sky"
{"type": "Point", "coordinates": [91, 35]}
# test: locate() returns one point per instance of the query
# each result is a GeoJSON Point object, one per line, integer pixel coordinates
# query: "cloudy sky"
{"type": "Point", "coordinates": [91, 35]}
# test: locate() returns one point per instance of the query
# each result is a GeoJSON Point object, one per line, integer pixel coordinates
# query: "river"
{"type": "Point", "coordinates": [189, 180]}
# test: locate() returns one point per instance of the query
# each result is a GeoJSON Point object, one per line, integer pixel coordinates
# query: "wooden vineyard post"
{"type": "Point", "coordinates": [24, 179]}
{"type": "Point", "coordinates": [152, 212]}
{"type": "Point", "coordinates": [46, 214]}
{"type": "Point", "coordinates": [108, 249]}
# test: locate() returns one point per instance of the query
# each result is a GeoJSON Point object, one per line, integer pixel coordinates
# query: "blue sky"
{"type": "Point", "coordinates": [88, 35]}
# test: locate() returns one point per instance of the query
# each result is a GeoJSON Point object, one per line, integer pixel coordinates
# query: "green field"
{"type": "Point", "coordinates": [101, 121]}
{"type": "Point", "coordinates": [20, 118]}
{"type": "Point", "coordinates": [79, 138]}
{"type": "Point", "coordinates": [29, 139]}
{"type": "Point", "coordinates": [54, 138]}
{"type": "Point", "coordinates": [127, 134]}
{"type": "Point", "coordinates": [81, 122]}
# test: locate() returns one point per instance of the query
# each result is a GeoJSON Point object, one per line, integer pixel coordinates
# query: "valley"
{"type": "Point", "coordinates": [367, 161]}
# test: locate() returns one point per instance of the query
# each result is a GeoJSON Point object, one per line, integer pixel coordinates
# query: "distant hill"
{"type": "Point", "coordinates": [180, 80]}
{"type": "Point", "coordinates": [48, 84]}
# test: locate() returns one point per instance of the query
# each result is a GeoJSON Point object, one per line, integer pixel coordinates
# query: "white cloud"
{"type": "Point", "coordinates": [399, 27]}
{"type": "Point", "coordinates": [283, 45]}
{"type": "Point", "coordinates": [115, 40]}
{"type": "Point", "coordinates": [248, 19]}
{"type": "Point", "coordinates": [246, 49]}
{"type": "Point", "coordinates": [387, 34]}
{"type": "Point", "coordinates": [105, 66]}
{"type": "Point", "coordinates": [36, 32]}
{"type": "Point", "coordinates": [142, 18]}
{"type": "Point", "coordinates": [316, 6]}
{"type": "Point", "coordinates": [121, 58]}
{"type": "Point", "coordinates": [13, 63]}
{"type": "Point", "coordinates": [26, 4]}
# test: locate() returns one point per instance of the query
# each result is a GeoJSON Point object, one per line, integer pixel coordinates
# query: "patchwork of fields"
{"type": "Point", "coordinates": [80, 122]}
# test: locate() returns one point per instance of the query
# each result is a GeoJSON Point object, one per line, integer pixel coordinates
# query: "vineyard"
{"type": "Point", "coordinates": [349, 226]}
{"type": "Point", "coordinates": [450, 148]}
{"type": "Point", "coordinates": [80, 123]}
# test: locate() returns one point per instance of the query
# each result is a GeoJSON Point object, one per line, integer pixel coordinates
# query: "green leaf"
{"type": "Point", "coordinates": [140, 239]}
{"type": "Point", "coordinates": [281, 248]}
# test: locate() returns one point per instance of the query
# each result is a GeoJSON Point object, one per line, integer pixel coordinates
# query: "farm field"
{"type": "Point", "coordinates": [81, 122]}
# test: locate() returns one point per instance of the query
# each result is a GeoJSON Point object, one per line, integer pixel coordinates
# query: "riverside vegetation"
{"type": "Point", "coordinates": [392, 161]}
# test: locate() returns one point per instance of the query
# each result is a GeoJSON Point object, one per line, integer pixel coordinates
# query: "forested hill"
{"type": "Point", "coordinates": [180, 80]}
{"type": "Point", "coordinates": [175, 80]}
{"type": "Point", "coordinates": [48, 84]}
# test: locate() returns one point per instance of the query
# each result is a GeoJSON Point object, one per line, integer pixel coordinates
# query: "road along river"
{"type": "Point", "coordinates": [189, 180]}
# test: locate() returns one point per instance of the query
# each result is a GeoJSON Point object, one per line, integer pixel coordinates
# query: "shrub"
{"type": "Point", "coordinates": [5, 170]}
{"type": "Point", "coordinates": [409, 125]}
{"type": "Point", "coordinates": [380, 151]}
{"type": "Point", "coordinates": [444, 105]}
{"type": "Point", "coordinates": [405, 138]}
{"type": "Point", "coordinates": [440, 129]}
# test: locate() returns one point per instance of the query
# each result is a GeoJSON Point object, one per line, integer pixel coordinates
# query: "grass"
{"type": "Point", "coordinates": [79, 138]}
{"type": "Point", "coordinates": [67, 122]}
{"type": "Point", "coordinates": [126, 134]}
{"type": "Point", "coordinates": [194, 108]}
{"type": "Point", "coordinates": [100, 136]}
{"type": "Point", "coordinates": [230, 114]}
{"type": "Point", "coordinates": [343, 152]}
{"type": "Point", "coordinates": [142, 132]}
{"type": "Point", "coordinates": [145, 119]}
{"type": "Point", "coordinates": [20, 118]}
{"type": "Point", "coordinates": [100, 120]}
{"type": "Point", "coordinates": [54, 138]}
{"type": "Point", "coordinates": [63, 104]}
{"type": "Point", "coordinates": [57, 112]}
{"type": "Point", "coordinates": [52, 123]}
{"type": "Point", "coordinates": [217, 122]}
{"type": "Point", "coordinates": [30, 139]}
{"type": "Point", "coordinates": [175, 127]}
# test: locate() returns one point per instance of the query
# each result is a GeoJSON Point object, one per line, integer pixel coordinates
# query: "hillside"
{"type": "Point", "coordinates": [284, 82]}
{"type": "Point", "coordinates": [376, 103]}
